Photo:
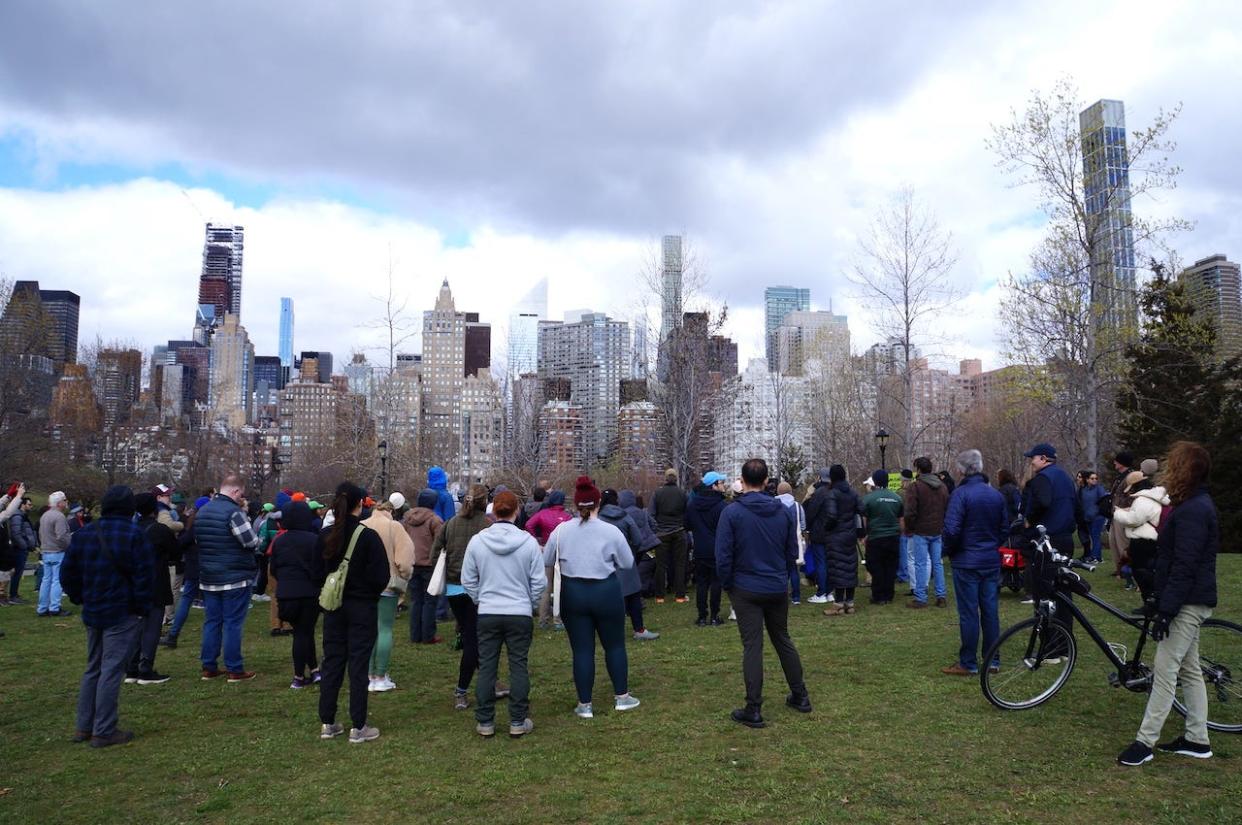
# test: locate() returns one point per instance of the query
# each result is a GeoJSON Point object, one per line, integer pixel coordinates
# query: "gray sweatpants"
{"type": "Point", "coordinates": [108, 651]}
{"type": "Point", "coordinates": [1177, 660]}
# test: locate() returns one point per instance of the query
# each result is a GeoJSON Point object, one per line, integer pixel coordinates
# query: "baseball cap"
{"type": "Point", "coordinates": [269, 507]}
{"type": "Point", "coordinates": [713, 477]}
{"type": "Point", "coordinates": [314, 505]}
{"type": "Point", "coordinates": [1044, 449]}
{"type": "Point", "coordinates": [161, 490]}
{"type": "Point", "coordinates": [397, 501]}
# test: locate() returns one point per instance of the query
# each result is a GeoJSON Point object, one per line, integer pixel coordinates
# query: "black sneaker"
{"type": "Point", "coordinates": [749, 717]}
{"type": "Point", "coordinates": [799, 702]}
{"type": "Point", "coordinates": [169, 642]}
{"type": "Point", "coordinates": [716, 621]}
{"type": "Point", "coordinates": [1135, 755]}
{"type": "Point", "coordinates": [152, 678]}
{"type": "Point", "coordinates": [701, 621]}
{"type": "Point", "coordinates": [131, 677]}
{"type": "Point", "coordinates": [1184, 747]}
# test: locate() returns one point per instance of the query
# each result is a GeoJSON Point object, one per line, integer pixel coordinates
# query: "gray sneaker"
{"type": "Point", "coordinates": [584, 711]}
{"type": "Point", "coordinates": [646, 635]}
{"type": "Point", "coordinates": [626, 702]}
{"type": "Point", "coordinates": [487, 731]}
{"type": "Point", "coordinates": [331, 731]}
{"type": "Point", "coordinates": [461, 699]}
{"type": "Point", "coordinates": [366, 734]}
{"type": "Point", "coordinates": [519, 729]}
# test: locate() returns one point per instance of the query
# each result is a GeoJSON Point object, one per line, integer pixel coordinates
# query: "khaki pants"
{"type": "Point", "coordinates": [177, 579]}
{"type": "Point", "coordinates": [1177, 659]}
{"type": "Point", "coordinates": [545, 601]}
{"type": "Point", "coordinates": [1119, 545]}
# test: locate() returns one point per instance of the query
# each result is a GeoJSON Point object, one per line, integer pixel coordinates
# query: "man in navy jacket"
{"type": "Point", "coordinates": [974, 527]}
{"type": "Point", "coordinates": [756, 541]}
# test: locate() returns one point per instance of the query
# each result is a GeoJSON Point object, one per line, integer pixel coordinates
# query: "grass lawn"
{"type": "Point", "coordinates": [891, 739]}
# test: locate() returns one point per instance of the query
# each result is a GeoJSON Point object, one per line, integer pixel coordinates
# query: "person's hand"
{"type": "Point", "coordinates": [21, 489]}
{"type": "Point", "coordinates": [1160, 627]}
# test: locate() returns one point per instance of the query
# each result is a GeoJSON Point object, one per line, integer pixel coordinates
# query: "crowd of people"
{"type": "Point", "coordinates": [584, 564]}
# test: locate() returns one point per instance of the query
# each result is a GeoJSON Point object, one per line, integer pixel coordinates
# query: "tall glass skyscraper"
{"type": "Point", "coordinates": [779, 301]}
{"type": "Point", "coordinates": [286, 333]}
{"type": "Point", "coordinates": [1106, 184]}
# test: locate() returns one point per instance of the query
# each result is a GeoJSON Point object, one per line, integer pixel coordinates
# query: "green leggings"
{"type": "Point", "coordinates": [383, 642]}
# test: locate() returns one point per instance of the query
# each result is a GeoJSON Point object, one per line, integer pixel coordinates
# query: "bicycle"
{"type": "Point", "coordinates": [1032, 660]}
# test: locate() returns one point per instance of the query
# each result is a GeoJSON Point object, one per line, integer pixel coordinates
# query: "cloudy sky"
{"type": "Point", "coordinates": [498, 143]}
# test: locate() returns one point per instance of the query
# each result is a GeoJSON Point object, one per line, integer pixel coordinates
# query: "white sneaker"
{"type": "Point", "coordinates": [646, 636]}
{"type": "Point", "coordinates": [366, 734]}
{"type": "Point", "coordinates": [817, 599]}
{"type": "Point", "coordinates": [384, 684]}
{"type": "Point", "coordinates": [583, 711]}
{"type": "Point", "coordinates": [733, 615]}
{"type": "Point", "coordinates": [830, 598]}
{"type": "Point", "coordinates": [626, 702]}
{"type": "Point", "coordinates": [1028, 601]}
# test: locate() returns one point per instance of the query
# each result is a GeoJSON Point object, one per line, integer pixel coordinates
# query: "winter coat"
{"type": "Point", "coordinates": [1013, 501]}
{"type": "Point", "coordinates": [1143, 514]}
{"type": "Point", "coordinates": [1052, 500]}
{"type": "Point", "coordinates": [368, 572]}
{"type": "Point", "coordinates": [646, 524]}
{"type": "Point", "coordinates": [1089, 497]}
{"type": "Point", "coordinates": [541, 524]}
{"type": "Point", "coordinates": [926, 501]}
{"type": "Point", "coordinates": [453, 539]}
{"type": "Point", "coordinates": [422, 525]}
{"type": "Point", "coordinates": [398, 546]}
{"type": "Point", "coordinates": [816, 508]}
{"type": "Point", "coordinates": [756, 543]}
{"type": "Point", "coordinates": [843, 507]}
{"type": "Point", "coordinates": [702, 517]}
{"type": "Point", "coordinates": [222, 558]}
{"type": "Point", "coordinates": [164, 547]}
{"type": "Point", "coordinates": [1186, 555]}
{"type": "Point", "coordinates": [293, 554]}
{"type": "Point", "coordinates": [975, 525]}
{"type": "Point", "coordinates": [627, 577]}
{"type": "Point", "coordinates": [437, 480]}
{"type": "Point", "coordinates": [22, 534]}
{"type": "Point", "coordinates": [668, 505]}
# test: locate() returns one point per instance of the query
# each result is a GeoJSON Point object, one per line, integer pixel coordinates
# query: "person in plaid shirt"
{"type": "Point", "coordinates": [107, 570]}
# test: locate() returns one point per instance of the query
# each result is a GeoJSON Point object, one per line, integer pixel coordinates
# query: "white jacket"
{"type": "Point", "coordinates": [1143, 514]}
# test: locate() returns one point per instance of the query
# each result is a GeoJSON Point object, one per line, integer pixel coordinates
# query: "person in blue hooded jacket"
{"type": "Point", "coordinates": [756, 541]}
{"type": "Point", "coordinates": [437, 480]}
{"type": "Point", "coordinates": [702, 517]}
{"type": "Point", "coordinates": [975, 525]}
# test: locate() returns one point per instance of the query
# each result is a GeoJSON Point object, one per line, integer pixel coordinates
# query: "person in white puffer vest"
{"type": "Point", "coordinates": [1141, 520]}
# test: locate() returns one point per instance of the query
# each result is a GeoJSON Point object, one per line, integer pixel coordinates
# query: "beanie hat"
{"type": "Point", "coordinates": [299, 496]}
{"type": "Point", "coordinates": [1125, 458]}
{"type": "Point", "coordinates": [1149, 466]}
{"type": "Point", "coordinates": [836, 473]}
{"type": "Point", "coordinates": [283, 500]}
{"type": "Point", "coordinates": [144, 504]}
{"type": "Point", "coordinates": [880, 478]}
{"type": "Point", "coordinates": [397, 501]}
{"type": "Point", "coordinates": [117, 501]}
{"type": "Point", "coordinates": [586, 494]}
{"type": "Point", "coordinates": [427, 498]}
{"type": "Point", "coordinates": [201, 502]}
{"type": "Point", "coordinates": [555, 498]}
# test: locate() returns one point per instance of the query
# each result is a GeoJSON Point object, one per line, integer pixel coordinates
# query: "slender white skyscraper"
{"type": "Point", "coordinates": [524, 330]}
{"type": "Point", "coordinates": [1106, 175]}
{"type": "Point", "coordinates": [286, 333]}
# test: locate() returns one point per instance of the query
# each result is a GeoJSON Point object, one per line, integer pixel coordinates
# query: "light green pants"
{"type": "Point", "coordinates": [1177, 659]}
{"type": "Point", "coordinates": [383, 641]}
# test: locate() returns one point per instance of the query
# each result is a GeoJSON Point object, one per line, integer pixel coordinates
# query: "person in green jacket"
{"type": "Point", "coordinates": [882, 512]}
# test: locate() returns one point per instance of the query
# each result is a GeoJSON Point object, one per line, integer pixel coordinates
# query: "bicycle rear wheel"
{"type": "Point", "coordinates": [1220, 657]}
{"type": "Point", "coordinates": [1032, 662]}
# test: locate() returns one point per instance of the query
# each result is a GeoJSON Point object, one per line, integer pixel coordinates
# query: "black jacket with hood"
{"type": "Point", "coordinates": [702, 517]}
{"type": "Point", "coordinates": [293, 554]}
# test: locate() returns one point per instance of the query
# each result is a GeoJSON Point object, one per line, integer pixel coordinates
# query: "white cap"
{"type": "Point", "coordinates": [329, 519]}
{"type": "Point", "coordinates": [397, 501]}
{"type": "Point", "coordinates": [56, 498]}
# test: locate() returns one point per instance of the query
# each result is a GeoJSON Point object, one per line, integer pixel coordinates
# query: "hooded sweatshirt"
{"type": "Point", "coordinates": [1143, 514]}
{"type": "Point", "coordinates": [627, 577]}
{"type": "Point", "coordinates": [437, 480]}
{"type": "Point", "coordinates": [756, 542]}
{"type": "Point", "coordinates": [646, 524]}
{"type": "Point", "coordinates": [926, 501]}
{"type": "Point", "coordinates": [397, 545]}
{"type": "Point", "coordinates": [702, 516]}
{"type": "Point", "coordinates": [423, 525]}
{"type": "Point", "coordinates": [503, 571]}
{"type": "Point", "coordinates": [293, 554]}
{"type": "Point", "coordinates": [591, 549]}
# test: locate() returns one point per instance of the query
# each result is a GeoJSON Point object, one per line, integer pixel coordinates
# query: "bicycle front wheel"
{"type": "Point", "coordinates": [1028, 664]}
{"type": "Point", "coordinates": [1220, 658]}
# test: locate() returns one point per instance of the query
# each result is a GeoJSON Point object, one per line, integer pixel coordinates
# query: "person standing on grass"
{"type": "Point", "coordinates": [843, 513]}
{"type": "Point", "coordinates": [755, 543]}
{"type": "Point", "coordinates": [503, 575]}
{"type": "Point", "coordinates": [25, 540]}
{"type": "Point", "coordinates": [540, 525]}
{"type": "Point", "coordinates": [644, 561]}
{"type": "Point", "coordinates": [227, 568]}
{"type": "Point", "coordinates": [349, 631]}
{"type": "Point", "coordinates": [925, 503]}
{"type": "Point", "coordinates": [702, 517]}
{"type": "Point", "coordinates": [54, 540]}
{"type": "Point", "coordinates": [190, 594]}
{"type": "Point", "coordinates": [668, 506]}
{"type": "Point", "coordinates": [297, 593]}
{"type": "Point", "coordinates": [882, 511]}
{"type": "Point", "coordinates": [107, 570]}
{"type": "Point", "coordinates": [631, 582]}
{"type": "Point", "coordinates": [817, 534]}
{"type": "Point", "coordinates": [422, 525]}
{"type": "Point", "coordinates": [453, 541]}
{"type": "Point", "coordinates": [784, 494]}
{"type": "Point", "coordinates": [975, 525]}
{"type": "Point", "coordinates": [591, 551]}
{"type": "Point", "coordinates": [1050, 500]}
{"type": "Point", "coordinates": [1140, 520]}
{"type": "Point", "coordinates": [1185, 581]}
{"type": "Point", "coordinates": [163, 544]}
{"type": "Point", "coordinates": [400, 551]}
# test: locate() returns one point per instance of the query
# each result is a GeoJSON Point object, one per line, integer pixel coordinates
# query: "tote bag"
{"type": "Point", "coordinates": [435, 587]}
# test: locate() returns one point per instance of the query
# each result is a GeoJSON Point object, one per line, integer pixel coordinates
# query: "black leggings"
{"type": "Point", "coordinates": [467, 614]}
{"type": "Point", "coordinates": [591, 607]}
{"type": "Point", "coordinates": [634, 606]}
{"type": "Point", "coordinates": [303, 614]}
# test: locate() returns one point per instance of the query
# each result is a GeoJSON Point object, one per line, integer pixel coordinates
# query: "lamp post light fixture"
{"type": "Point", "coordinates": [383, 456]}
{"type": "Point", "coordinates": [881, 438]}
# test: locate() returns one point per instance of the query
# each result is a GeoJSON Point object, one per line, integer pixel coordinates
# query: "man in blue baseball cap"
{"type": "Point", "coordinates": [702, 517]}
{"type": "Point", "coordinates": [1051, 499]}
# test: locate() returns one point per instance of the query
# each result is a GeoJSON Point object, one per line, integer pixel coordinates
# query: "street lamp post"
{"type": "Point", "coordinates": [276, 465]}
{"type": "Point", "coordinates": [383, 456]}
{"type": "Point", "coordinates": [881, 438]}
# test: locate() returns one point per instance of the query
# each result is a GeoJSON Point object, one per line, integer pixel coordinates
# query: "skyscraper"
{"type": "Point", "coordinates": [41, 322]}
{"type": "Point", "coordinates": [779, 301]}
{"type": "Point", "coordinates": [671, 273]}
{"type": "Point", "coordinates": [1213, 284]}
{"type": "Point", "coordinates": [232, 375]}
{"type": "Point", "coordinates": [805, 335]}
{"type": "Point", "coordinates": [220, 283]}
{"type": "Point", "coordinates": [118, 374]}
{"type": "Point", "coordinates": [444, 371]}
{"type": "Point", "coordinates": [1106, 179]}
{"type": "Point", "coordinates": [594, 355]}
{"type": "Point", "coordinates": [478, 343]}
{"type": "Point", "coordinates": [286, 333]}
{"type": "Point", "coordinates": [524, 330]}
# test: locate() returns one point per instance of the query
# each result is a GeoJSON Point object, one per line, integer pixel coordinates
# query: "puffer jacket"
{"type": "Point", "coordinates": [453, 539]}
{"type": "Point", "coordinates": [627, 577]}
{"type": "Point", "coordinates": [975, 525]}
{"type": "Point", "coordinates": [398, 546]}
{"type": "Point", "coordinates": [553, 514]}
{"type": "Point", "coordinates": [646, 524]}
{"type": "Point", "coordinates": [423, 525]}
{"type": "Point", "coordinates": [843, 507]}
{"type": "Point", "coordinates": [1143, 514]}
{"type": "Point", "coordinates": [1186, 555]}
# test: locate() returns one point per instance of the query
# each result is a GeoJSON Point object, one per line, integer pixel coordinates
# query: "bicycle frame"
{"type": "Point", "coordinates": [1062, 602]}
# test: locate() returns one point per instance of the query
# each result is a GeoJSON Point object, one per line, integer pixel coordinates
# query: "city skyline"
{"type": "Point", "coordinates": [81, 163]}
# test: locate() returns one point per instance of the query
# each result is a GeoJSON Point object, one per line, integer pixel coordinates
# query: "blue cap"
{"type": "Point", "coordinates": [1044, 449]}
{"type": "Point", "coordinates": [713, 477]}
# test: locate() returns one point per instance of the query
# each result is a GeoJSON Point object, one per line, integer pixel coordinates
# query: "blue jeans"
{"type": "Point", "coordinates": [1097, 527]}
{"type": "Point", "coordinates": [978, 595]}
{"type": "Point", "coordinates": [422, 606]}
{"type": "Point", "coordinates": [226, 614]}
{"type": "Point", "coordinates": [905, 563]}
{"type": "Point", "coordinates": [819, 555]}
{"type": "Point", "coordinates": [795, 582]}
{"type": "Point", "coordinates": [926, 550]}
{"type": "Point", "coordinates": [189, 591]}
{"type": "Point", "coordinates": [18, 570]}
{"type": "Point", "coordinates": [49, 587]}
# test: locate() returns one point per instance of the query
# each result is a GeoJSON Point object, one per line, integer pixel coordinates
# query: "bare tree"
{"type": "Point", "coordinates": [391, 391]}
{"type": "Point", "coordinates": [1074, 312]}
{"type": "Point", "coordinates": [841, 411]}
{"type": "Point", "coordinates": [902, 274]}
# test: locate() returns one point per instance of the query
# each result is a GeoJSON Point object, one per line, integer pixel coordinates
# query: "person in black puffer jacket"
{"type": "Point", "coordinates": [349, 632]}
{"type": "Point", "coordinates": [843, 510]}
{"type": "Point", "coordinates": [163, 542]}
{"type": "Point", "coordinates": [1185, 577]}
{"type": "Point", "coordinates": [297, 593]}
